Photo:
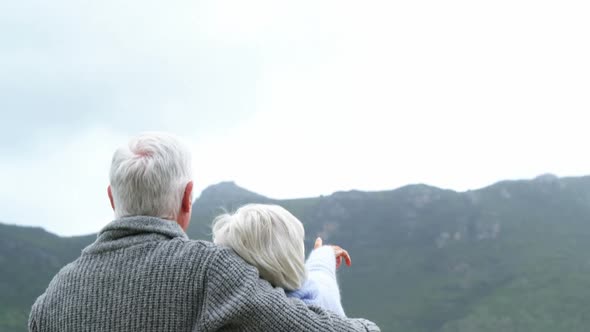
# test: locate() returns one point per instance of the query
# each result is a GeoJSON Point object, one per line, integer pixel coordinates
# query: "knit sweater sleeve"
{"type": "Point", "coordinates": [237, 298]}
{"type": "Point", "coordinates": [33, 323]}
{"type": "Point", "coordinates": [321, 269]}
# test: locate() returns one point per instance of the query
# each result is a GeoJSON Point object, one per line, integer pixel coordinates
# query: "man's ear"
{"type": "Point", "coordinates": [187, 198]}
{"type": "Point", "coordinates": [111, 197]}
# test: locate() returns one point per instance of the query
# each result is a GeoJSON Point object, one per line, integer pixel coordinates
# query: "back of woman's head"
{"type": "Point", "coordinates": [268, 237]}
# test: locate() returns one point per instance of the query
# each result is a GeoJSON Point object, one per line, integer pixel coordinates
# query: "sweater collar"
{"type": "Point", "coordinates": [128, 231]}
{"type": "Point", "coordinates": [141, 225]}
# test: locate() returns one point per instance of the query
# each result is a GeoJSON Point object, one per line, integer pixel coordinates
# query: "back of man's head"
{"type": "Point", "coordinates": [148, 176]}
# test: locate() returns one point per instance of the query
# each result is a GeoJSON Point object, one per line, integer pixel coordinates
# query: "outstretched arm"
{"type": "Point", "coordinates": [236, 297]}
{"type": "Point", "coordinates": [321, 272]}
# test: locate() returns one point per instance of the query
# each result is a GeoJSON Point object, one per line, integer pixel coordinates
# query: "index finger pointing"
{"type": "Point", "coordinates": [318, 243]}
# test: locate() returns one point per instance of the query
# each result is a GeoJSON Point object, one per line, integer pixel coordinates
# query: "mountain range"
{"type": "Point", "coordinates": [509, 257]}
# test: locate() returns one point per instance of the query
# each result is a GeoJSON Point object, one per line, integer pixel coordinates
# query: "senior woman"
{"type": "Point", "coordinates": [271, 239]}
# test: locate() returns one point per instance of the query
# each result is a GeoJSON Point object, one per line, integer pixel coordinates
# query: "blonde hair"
{"type": "Point", "coordinates": [268, 237]}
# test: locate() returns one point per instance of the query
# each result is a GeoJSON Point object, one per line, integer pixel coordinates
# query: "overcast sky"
{"type": "Point", "coordinates": [288, 98]}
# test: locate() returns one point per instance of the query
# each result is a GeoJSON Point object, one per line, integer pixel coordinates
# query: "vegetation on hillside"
{"type": "Point", "coordinates": [509, 257]}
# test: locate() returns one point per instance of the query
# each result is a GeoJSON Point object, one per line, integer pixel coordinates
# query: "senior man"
{"type": "Point", "coordinates": [143, 273]}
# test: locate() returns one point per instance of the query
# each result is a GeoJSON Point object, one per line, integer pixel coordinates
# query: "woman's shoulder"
{"type": "Point", "coordinates": [308, 292]}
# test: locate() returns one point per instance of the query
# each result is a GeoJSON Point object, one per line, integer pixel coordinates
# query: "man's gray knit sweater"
{"type": "Point", "coordinates": [144, 274]}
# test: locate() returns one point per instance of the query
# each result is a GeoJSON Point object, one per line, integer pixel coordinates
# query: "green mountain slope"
{"type": "Point", "coordinates": [509, 257]}
{"type": "Point", "coordinates": [29, 257]}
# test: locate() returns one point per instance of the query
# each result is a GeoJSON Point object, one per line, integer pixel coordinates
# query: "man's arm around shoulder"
{"type": "Point", "coordinates": [237, 297]}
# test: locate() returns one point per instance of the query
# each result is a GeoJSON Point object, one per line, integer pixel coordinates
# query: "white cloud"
{"type": "Point", "coordinates": [289, 99]}
{"type": "Point", "coordinates": [62, 184]}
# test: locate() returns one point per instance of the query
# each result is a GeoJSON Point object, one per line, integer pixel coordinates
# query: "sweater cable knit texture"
{"type": "Point", "coordinates": [144, 274]}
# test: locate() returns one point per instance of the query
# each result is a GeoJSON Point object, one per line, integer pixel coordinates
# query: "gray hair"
{"type": "Point", "coordinates": [268, 237]}
{"type": "Point", "coordinates": [148, 176]}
